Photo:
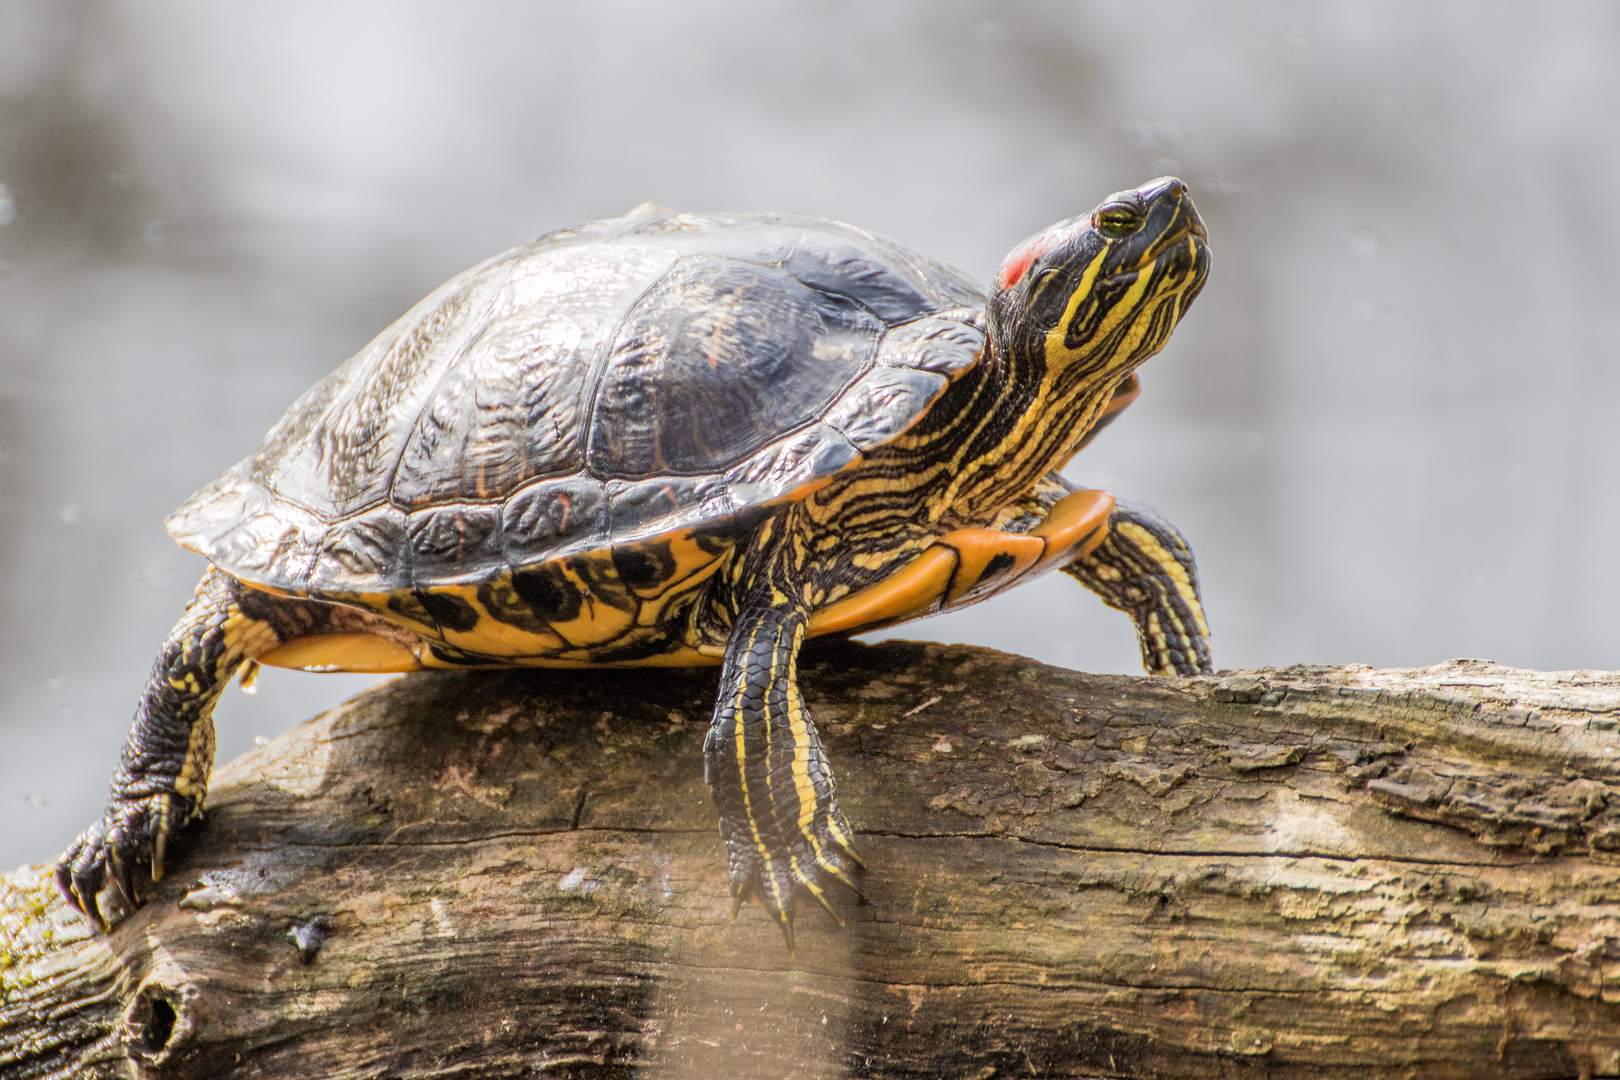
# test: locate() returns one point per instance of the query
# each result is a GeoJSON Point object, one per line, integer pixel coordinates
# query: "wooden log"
{"type": "Point", "coordinates": [1306, 872]}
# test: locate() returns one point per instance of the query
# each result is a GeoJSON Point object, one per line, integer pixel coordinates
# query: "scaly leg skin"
{"type": "Point", "coordinates": [163, 772]}
{"type": "Point", "coordinates": [1145, 569]}
{"type": "Point", "coordinates": [768, 774]}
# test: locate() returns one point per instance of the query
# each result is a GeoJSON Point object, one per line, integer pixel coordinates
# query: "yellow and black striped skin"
{"type": "Point", "coordinates": [962, 504]}
{"type": "Point", "coordinates": [1144, 568]}
{"type": "Point", "coordinates": [162, 776]}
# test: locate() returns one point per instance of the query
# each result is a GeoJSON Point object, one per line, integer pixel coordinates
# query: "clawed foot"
{"type": "Point", "coordinates": [779, 875]}
{"type": "Point", "coordinates": [131, 834]}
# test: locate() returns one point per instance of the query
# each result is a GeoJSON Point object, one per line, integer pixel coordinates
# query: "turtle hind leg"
{"type": "Point", "coordinates": [163, 772]}
{"type": "Point", "coordinates": [1144, 568]}
{"type": "Point", "coordinates": [784, 833]}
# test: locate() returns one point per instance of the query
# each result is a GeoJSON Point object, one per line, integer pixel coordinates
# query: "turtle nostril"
{"type": "Point", "coordinates": [1165, 187]}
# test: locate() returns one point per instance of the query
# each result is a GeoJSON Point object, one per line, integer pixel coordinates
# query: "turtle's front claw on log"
{"type": "Point", "coordinates": [131, 834]}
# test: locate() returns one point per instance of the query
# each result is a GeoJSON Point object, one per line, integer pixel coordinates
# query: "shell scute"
{"type": "Point", "coordinates": [214, 512]}
{"type": "Point", "coordinates": [948, 343]}
{"type": "Point", "coordinates": [787, 466]}
{"type": "Point", "coordinates": [554, 517]}
{"type": "Point", "coordinates": [666, 504]}
{"type": "Point", "coordinates": [454, 543]}
{"type": "Point", "coordinates": [720, 359]}
{"type": "Point", "coordinates": [334, 451]}
{"type": "Point", "coordinates": [366, 551]}
{"type": "Point", "coordinates": [514, 406]}
{"type": "Point", "coordinates": [835, 264]}
{"type": "Point", "coordinates": [276, 540]}
{"type": "Point", "coordinates": [882, 403]}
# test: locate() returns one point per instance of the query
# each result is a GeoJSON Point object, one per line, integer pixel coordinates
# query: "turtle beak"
{"type": "Point", "coordinates": [1171, 215]}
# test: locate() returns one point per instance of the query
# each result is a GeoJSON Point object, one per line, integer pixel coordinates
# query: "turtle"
{"type": "Point", "coordinates": [673, 439]}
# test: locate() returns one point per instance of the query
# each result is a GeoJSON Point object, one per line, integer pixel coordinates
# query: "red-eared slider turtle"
{"type": "Point", "coordinates": [676, 439]}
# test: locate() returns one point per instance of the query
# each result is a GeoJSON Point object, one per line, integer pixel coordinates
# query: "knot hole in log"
{"type": "Point", "coordinates": [152, 1028]}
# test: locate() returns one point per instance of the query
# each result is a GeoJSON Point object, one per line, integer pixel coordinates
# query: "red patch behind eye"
{"type": "Point", "coordinates": [1017, 264]}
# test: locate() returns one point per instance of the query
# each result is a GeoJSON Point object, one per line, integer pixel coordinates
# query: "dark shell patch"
{"type": "Point", "coordinates": [455, 541]}
{"type": "Point", "coordinates": [833, 264]}
{"type": "Point", "coordinates": [643, 566]}
{"type": "Point", "coordinates": [450, 612]}
{"type": "Point", "coordinates": [548, 592]}
{"type": "Point", "coordinates": [722, 358]}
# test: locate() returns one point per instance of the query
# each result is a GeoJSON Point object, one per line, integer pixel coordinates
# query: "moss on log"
{"type": "Point", "coordinates": [1307, 872]}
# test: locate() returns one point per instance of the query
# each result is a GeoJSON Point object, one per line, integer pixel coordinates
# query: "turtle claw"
{"type": "Point", "coordinates": [111, 851]}
{"type": "Point", "coordinates": [780, 879]}
{"type": "Point", "coordinates": [74, 886]}
{"type": "Point", "coordinates": [123, 877]}
{"type": "Point", "coordinates": [160, 839]}
{"type": "Point", "coordinates": [837, 870]}
{"type": "Point", "coordinates": [826, 905]}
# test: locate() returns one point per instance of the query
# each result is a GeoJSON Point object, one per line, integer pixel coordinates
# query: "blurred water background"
{"type": "Point", "coordinates": [1388, 426]}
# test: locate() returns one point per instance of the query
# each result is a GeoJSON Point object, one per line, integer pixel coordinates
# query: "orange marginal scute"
{"type": "Point", "coordinates": [977, 547]}
{"type": "Point", "coordinates": [896, 597]}
{"type": "Point", "coordinates": [1075, 527]}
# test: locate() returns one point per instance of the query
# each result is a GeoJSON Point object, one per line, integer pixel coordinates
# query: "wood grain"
{"type": "Point", "coordinates": [1307, 872]}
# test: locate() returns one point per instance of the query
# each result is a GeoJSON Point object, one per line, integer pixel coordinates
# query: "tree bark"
{"type": "Point", "coordinates": [1305, 872]}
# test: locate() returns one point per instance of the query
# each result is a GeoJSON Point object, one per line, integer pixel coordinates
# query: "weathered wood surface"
{"type": "Point", "coordinates": [1310, 872]}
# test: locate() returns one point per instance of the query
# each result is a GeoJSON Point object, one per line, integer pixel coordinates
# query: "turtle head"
{"type": "Point", "coordinates": [1094, 296]}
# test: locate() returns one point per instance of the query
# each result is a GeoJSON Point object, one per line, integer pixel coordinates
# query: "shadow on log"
{"type": "Point", "coordinates": [1309, 872]}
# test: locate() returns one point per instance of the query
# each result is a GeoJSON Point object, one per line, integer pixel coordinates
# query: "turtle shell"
{"type": "Point", "coordinates": [602, 385]}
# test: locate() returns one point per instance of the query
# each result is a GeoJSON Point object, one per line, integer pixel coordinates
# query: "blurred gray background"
{"type": "Point", "coordinates": [1388, 426]}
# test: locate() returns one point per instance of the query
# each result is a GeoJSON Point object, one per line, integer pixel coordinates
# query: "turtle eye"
{"type": "Point", "coordinates": [1044, 277]}
{"type": "Point", "coordinates": [1118, 220]}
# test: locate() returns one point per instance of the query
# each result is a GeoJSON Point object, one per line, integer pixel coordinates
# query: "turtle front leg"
{"type": "Point", "coordinates": [163, 772]}
{"type": "Point", "coordinates": [768, 773]}
{"type": "Point", "coordinates": [1144, 568]}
